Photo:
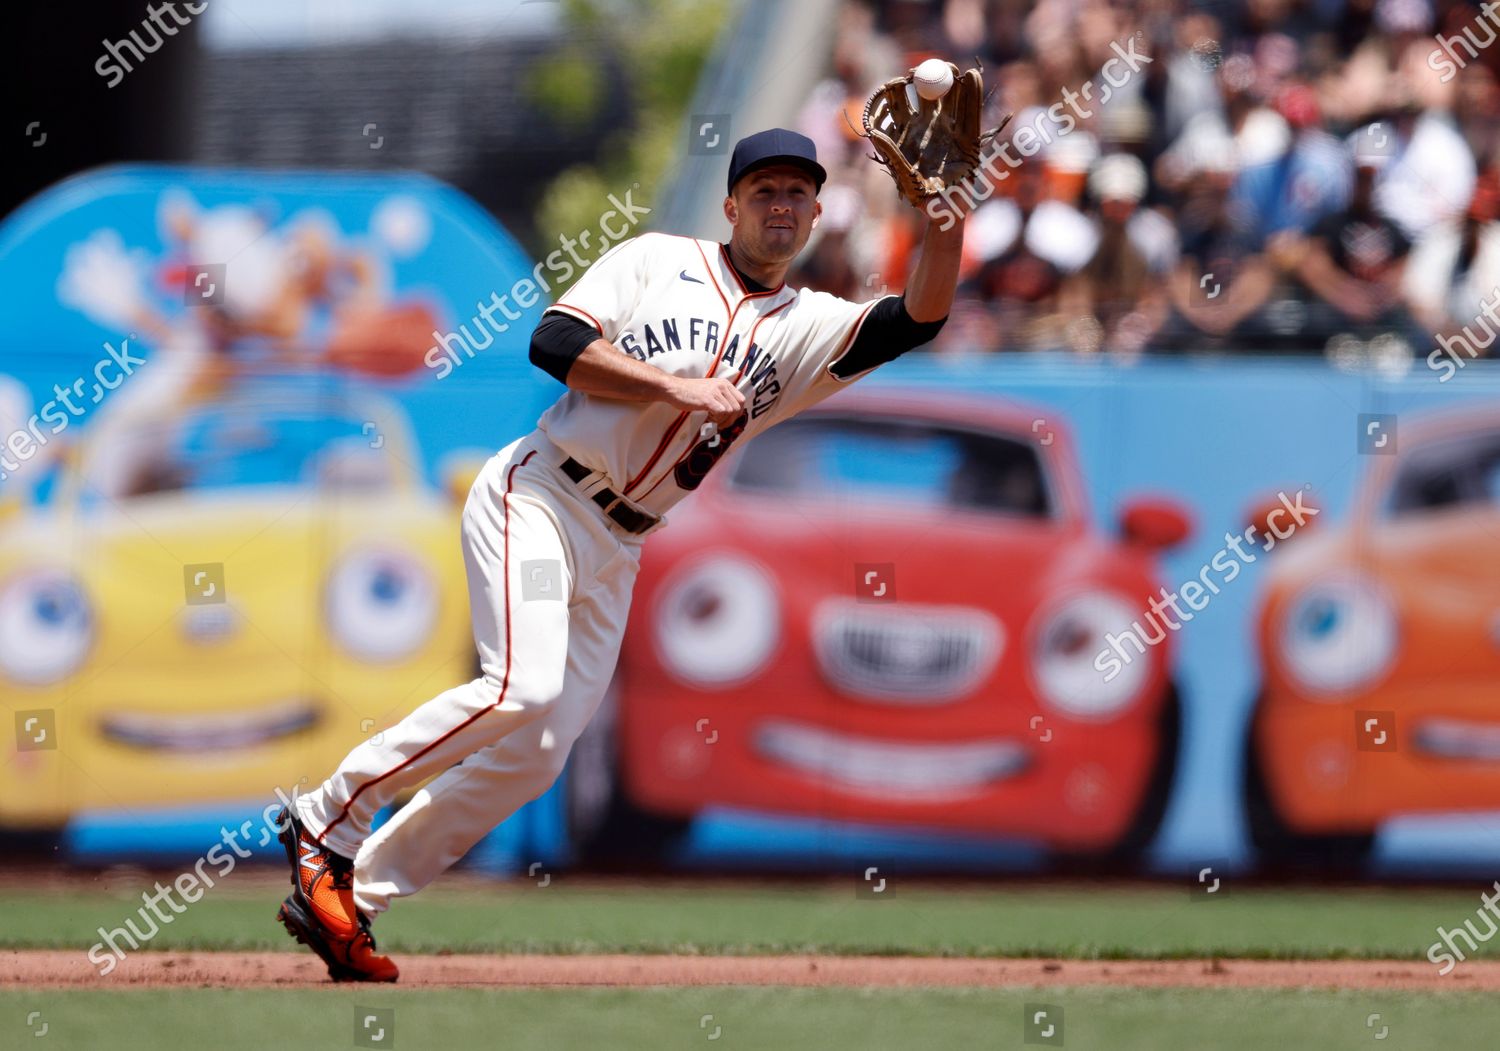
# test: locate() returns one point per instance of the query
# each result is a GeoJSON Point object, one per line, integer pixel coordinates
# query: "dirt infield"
{"type": "Point", "coordinates": [60, 968]}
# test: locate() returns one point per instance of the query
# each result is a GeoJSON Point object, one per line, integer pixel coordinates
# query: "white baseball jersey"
{"type": "Point", "coordinates": [550, 577]}
{"type": "Point", "coordinates": [676, 303]}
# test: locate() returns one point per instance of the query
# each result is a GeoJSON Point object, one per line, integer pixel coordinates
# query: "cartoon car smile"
{"type": "Point", "coordinates": [888, 611]}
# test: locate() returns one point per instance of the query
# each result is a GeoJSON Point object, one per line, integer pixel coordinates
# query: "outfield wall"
{"type": "Point", "coordinates": [132, 772]}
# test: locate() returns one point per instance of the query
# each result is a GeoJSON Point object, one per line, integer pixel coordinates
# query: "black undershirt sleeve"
{"type": "Point", "coordinates": [557, 342]}
{"type": "Point", "coordinates": [888, 332]}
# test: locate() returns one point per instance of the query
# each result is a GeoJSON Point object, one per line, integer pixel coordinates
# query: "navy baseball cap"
{"type": "Point", "coordinates": [775, 146]}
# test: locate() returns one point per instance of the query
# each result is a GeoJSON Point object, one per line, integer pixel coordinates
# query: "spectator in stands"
{"type": "Point", "coordinates": [1243, 133]}
{"type": "Point", "coordinates": [1027, 244]}
{"type": "Point", "coordinates": [1353, 262]}
{"type": "Point", "coordinates": [1222, 281]}
{"type": "Point", "coordinates": [1456, 268]}
{"type": "Point", "coordinates": [1239, 122]}
{"type": "Point", "coordinates": [1431, 176]}
{"type": "Point", "coordinates": [1296, 188]}
{"type": "Point", "coordinates": [1122, 288]}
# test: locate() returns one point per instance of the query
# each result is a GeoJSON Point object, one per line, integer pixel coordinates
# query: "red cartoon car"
{"type": "Point", "coordinates": [889, 610]}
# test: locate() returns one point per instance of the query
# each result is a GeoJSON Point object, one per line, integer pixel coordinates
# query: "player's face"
{"type": "Point", "coordinates": [773, 212]}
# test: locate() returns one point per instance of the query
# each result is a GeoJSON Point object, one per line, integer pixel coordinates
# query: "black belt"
{"type": "Point", "coordinates": [625, 516]}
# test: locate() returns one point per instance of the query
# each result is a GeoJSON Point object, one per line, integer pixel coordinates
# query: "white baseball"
{"type": "Point", "coordinates": [932, 79]}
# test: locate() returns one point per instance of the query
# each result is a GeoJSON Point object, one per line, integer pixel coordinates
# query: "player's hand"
{"type": "Point", "coordinates": [714, 395]}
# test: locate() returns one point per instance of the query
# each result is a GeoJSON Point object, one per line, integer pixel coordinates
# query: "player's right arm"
{"type": "Point", "coordinates": [605, 371]}
{"type": "Point", "coordinates": [575, 341]}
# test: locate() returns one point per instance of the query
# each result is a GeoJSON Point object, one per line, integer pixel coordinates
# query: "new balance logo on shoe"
{"type": "Point", "coordinates": [311, 854]}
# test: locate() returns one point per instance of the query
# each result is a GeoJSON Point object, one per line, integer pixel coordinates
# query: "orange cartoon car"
{"type": "Point", "coordinates": [888, 611]}
{"type": "Point", "coordinates": [1380, 646]}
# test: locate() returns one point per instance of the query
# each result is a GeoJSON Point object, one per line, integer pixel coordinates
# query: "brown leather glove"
{"type": "Point", "coordinates": [927, 145]}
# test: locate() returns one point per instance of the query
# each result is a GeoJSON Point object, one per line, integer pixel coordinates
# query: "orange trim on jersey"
{"type": "Point", "coordinates": [676, 424]}
{"type": "Point", "coordinates": [504, 681]}
{"type": "Point", "coordinates": [585, 315]}
{"type": "Point", "coordinates": [770, 313]}
{"type": "Point", "coordinates": [710, 271]}
{"type": "Point", "coordinates": [741, 281]}
{"type": "Point", "coordinates": [858, 324]}
{"type": "Point", "coordinates": [661, 447]}
{"type": "Point", "coordinates": [738, 376]}
{"type": "Point", "coordinates": [671, 430]}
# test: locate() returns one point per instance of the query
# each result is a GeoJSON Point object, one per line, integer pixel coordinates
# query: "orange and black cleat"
{"type": "Point", "coordinates": [320, 912]}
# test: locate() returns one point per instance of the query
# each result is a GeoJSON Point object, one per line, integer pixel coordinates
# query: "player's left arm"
{"type": "Point", "coordinates": [897, 324]}
{"type": "Point", "coordinates": [929, 293]}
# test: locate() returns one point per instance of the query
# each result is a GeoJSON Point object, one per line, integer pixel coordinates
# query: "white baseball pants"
{"type": "Point", "coordinates": [550, 580]}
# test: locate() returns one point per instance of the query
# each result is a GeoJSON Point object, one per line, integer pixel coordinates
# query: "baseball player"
{"type": "Point", "coordinates": [674, 351]}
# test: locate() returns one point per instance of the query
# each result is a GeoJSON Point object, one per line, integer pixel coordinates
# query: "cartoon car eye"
{"type": "Point", "coordinates": [46, 628]}
{"type": "Point", "coordinates": [719, 623]}
{"type": "Point", "coordinates": [1338, 633]}
{"type": "Point", "coordinates": [381, 606]}
{"type": "Point", "coordinates": [1070, 639]}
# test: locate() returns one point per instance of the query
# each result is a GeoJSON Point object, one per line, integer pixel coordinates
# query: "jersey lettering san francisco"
{"type": "Point", "coordinates": [677, 304]}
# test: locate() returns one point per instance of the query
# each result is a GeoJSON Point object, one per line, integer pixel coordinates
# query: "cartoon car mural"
{"type": "Point", "coordinates": [888, 610]}
{"type": "Point", "coordinates": [281, 585]}
{"type": "Point", "coordinates": [1380, 650]}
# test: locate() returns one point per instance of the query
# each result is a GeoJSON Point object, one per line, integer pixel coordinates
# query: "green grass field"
{"type": "Point", "coordinates": [1070, 921]}
{"type": "Point", "coordinates": [573, 916]}
{"type": "Point", "coordinates": [786, 1019]}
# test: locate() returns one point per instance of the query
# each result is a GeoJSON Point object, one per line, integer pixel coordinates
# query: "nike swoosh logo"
{"type": "Point", "coordinates": [694, 280]}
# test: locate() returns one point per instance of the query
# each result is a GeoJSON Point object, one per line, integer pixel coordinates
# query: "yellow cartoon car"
{"type": "Point", "coordinates": [281, 584]}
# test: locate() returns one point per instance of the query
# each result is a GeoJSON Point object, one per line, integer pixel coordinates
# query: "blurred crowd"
{"type": "Point", "coordinates": [1282, 176]}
